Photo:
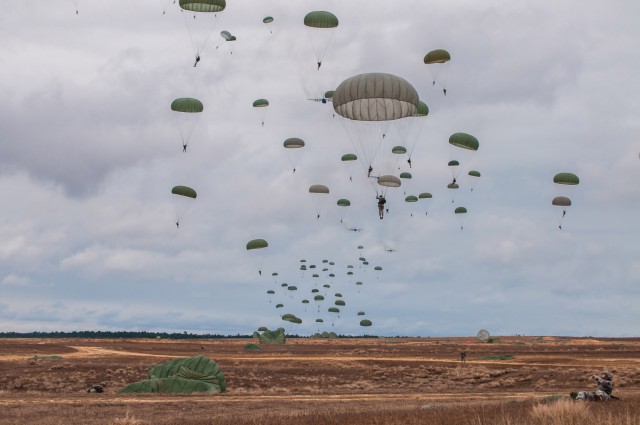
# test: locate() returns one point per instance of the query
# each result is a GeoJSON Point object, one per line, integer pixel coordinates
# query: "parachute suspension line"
{"type": "Point", "coordinates": [185, 138]}
{"type": "Point", "coordinates": [320, 51]}
{"type": "Point", "coordinates": [198, 49]}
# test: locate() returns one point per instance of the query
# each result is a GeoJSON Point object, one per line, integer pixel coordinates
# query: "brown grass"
{"type": "Point", "coordinates": [358, 382]}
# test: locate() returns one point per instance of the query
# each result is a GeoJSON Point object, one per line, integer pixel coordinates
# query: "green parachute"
{"type": "Point", "coordinates": [438, 64]}
{"type": "Point", "coordinates": [319, 194]}
{"type": "Point", "coordinates": [293, 146]}
{"type": "Point", "coordinates": [255, 247]}
{"type": "Point", "coordinates": [187, 118]}
{"type": "Point", "coordinates": [260, 106]}
{"type": "Point", "coordinates": [566, 184]}
{"type": "Point", "coordinates": [183, 198]}
{"type": "Point", "coordinates": [186, 375]}
{"type": "Point", "coordinates": [320, 27]}
{"type": "Point", "coordinates": [200, 21]}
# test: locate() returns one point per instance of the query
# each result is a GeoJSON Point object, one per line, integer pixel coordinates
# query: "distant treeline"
{"type": "Point", "coordinates": [139, 334]}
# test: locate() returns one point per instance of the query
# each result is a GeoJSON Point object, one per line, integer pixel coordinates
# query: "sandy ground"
{"type": "Point", "coordinates": [305, 372]}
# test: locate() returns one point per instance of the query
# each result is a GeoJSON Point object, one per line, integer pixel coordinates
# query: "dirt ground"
{"type": "Point", "coordinates": [50, 377]}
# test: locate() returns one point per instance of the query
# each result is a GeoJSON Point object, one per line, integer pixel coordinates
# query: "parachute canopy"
{"type": "Point", "coordinates": [423, 110]}
{"type": "Point", "coordinates": [257, 244]}
{"type": "Point", "coordinates": [184, 191]}
{"type": "Point", "coordinates": [437, 56]}
{"type": "Point", "coordinates": [464, 141]}
{"type": "Point", "coordinates": [318, 188]}
{"type": "Point", "coordinates": [320, 19]}
{"type": "Point", "coordinates": [187, 104]}
{"type": "Point", "coordinates": [293, 143]}
{"type": "Point", "coordinates": [566, 178]}
{"type": "Point", "coordinates": [375, 97]}
{"type": "Point", "coordinates": [203, 5]}
{"type": "Point", "coordinates": [460, 210]}
{"type": "Point", "coordinates": [227, 36]}
{"type": "Point", "coordinates": [349, 157]}
{"type": "Point", "coordinates": [561, 201]}
{"type": "Point", "coordinates": [260, 103]}
{"type": "Point", "coordinates": [343, 202]}
{"type": "Point", "coordinates": [389, 181]}
{"type": "Point", "coordinates": [185, 375]}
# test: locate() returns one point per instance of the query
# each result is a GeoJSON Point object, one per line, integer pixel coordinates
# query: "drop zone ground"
{"type": "Point", "coordinates": [307, 381]}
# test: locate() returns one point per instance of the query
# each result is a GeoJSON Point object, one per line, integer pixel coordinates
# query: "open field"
{"type": "Point", "coordinates": [354, 381]}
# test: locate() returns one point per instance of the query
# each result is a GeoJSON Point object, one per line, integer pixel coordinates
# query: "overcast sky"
{"type": "Point", "coordinates": [90, 151]}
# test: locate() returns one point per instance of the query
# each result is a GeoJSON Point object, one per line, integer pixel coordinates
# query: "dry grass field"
{"type": "Point", "coordinates": [520, 380]}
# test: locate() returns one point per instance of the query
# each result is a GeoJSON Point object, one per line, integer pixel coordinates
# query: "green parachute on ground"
{"type": "Point", "coordinates": [271, 337]}
{"type": "Point", "coordinates": [197, 374]}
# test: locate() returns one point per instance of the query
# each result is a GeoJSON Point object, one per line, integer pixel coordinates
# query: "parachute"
{"type": "Point", "coordinates": [466, 144]}
{"type": "Point", "coordinates": [319, 194]}
{"type": "Point", "coordinates": [201, 21]}
{"type": "Point", "coordinates": [227, 36]}
{"type": "Point", "coordinates": [260, 105]}
{"type": "Point", "coordinates": [369, 102]}
{"type": "Point", "coordinates": [197, 374]}
{"type": "Point", "coordinates": [406, 178]}
{"type": "Point", "coordinates": [425, 195]}
{"type": "Point", "coordinates": [348, 159]}
{"type": "Point", "coordinates": [386, 182]}
{"type": "Point", "coordinates": [366, 322]}
{"type": "Point", "coordinates": [475, 174]}
{"type": "Point", "coordinates": [566, 179]}
{"type": "Point", "coordinates": [343, 203]}
{"type": "Point", "coordinates": [438, 63]}
{"type": "Point", "coordinates": [320, 29]}
{"type": "Point", "coordinates": [189, 113]}
{"type": "Point", "coordinates": [258, 257]}
{"type": "Point", "coordinates": [182, 201]}
{"type": "Point", "coordinates": [461, 212]}
{"type": "Point", "coordinates": [565, 183]}
{"type": "Point", "coordinates": [293, 147]}
{"type": "Point", "coordinates": [267, 20]}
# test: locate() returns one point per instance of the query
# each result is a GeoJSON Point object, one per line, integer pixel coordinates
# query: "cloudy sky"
{"type": "Point", "coordinates": [90, 151]}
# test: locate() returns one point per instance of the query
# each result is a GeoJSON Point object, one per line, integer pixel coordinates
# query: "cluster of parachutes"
{"type": "Point", "coordinates": [564, 183]}
{"type": "Point", "coordinates": [317, 292]}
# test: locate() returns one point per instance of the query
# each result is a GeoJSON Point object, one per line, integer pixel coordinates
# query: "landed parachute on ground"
{"type": "Point", "coordinates": [197, 374]}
